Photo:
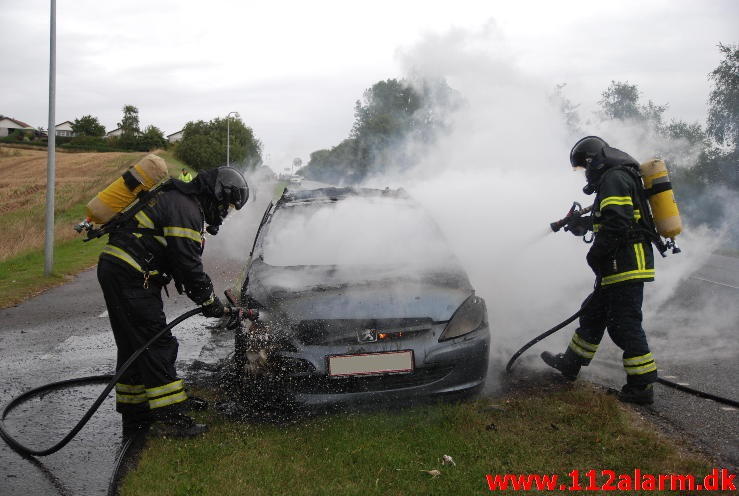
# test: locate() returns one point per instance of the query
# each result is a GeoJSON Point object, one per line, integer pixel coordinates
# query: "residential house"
{"type": "Point", "coordinates": [175, 137]}
{"type": "Point", "coordinates": [64, 129]}
{"type": "Point", "coordinates": [115, 132]}
{"type": "Point", "coordinates": [8, 125]}
{"type": "Point", "coordinates": [118, 132]}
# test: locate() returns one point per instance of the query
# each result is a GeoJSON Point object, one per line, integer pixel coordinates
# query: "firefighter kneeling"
{"type": "Point", "coordinates": [622, 259]}
{"type": "Point", "coordinates": [164, 240]}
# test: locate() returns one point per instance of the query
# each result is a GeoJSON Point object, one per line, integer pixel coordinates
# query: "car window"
{"type": "Point", "coordinates": [353, 231]}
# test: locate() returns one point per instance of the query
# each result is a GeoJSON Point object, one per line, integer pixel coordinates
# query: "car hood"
{"type": "Point", "coordinates": [358, 292]}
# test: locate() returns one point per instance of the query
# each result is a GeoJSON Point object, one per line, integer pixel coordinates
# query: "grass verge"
{"type": "Point", "coordinates": [174, 164]}
{"type": "Point", "coordinates": [388, 452]}
{"type": "Point", "coordinates": [23, 276]}
{"type": "Point", "coordinates": [21, 273]}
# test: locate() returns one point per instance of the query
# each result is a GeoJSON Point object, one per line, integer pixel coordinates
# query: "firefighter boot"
{"type": "Point", "coordinates": [639, 394]}
{"type": "Point", "coordinates": [176, 424]}
{"type": "Point", "coordinates": [567, 368]}
{"type": "Point", "coordinates": [194, 404]}
{"type": "Point", "coordinates": [135, 423]}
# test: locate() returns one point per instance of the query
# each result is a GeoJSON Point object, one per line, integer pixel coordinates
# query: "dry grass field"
{"type": "Point", "coordinates": [23, 193]}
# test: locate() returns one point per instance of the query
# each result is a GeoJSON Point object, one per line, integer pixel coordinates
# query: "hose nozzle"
{"type": "Point", "coordinates": [559, 224]}
{"type": "Point", "coordinates": [573, 217]}
{"type": "Point", "coordinates": [85, 225]}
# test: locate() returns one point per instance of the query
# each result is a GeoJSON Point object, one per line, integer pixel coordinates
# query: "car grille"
{"type": "Point", "coordinates": [346, 331]}
{"type": "Point", "coordinates": [363, 384]}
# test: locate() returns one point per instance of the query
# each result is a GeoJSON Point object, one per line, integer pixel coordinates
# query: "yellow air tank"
{"type": "Point", "coordinates": [661, 198]}
{"type": "Point", "coordinates": [143, 176]}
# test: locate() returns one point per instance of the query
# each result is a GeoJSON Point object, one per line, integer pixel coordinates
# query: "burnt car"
{"type": "Point", "coordinates": [360, 299]}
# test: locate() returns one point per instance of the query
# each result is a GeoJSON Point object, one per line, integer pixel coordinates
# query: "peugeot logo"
{"type": "Point", "coordinates": [367, 336]}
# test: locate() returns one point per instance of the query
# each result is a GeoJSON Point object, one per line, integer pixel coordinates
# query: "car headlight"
{"type": "Point", "coordinates": [469, 317]}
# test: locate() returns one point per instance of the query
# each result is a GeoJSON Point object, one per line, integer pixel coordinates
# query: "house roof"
{"type": "Point", "coordinates": [20, 123]}
{"type": "Point", "coordinates": [65, 122]}
{"type": "Point", "coordinates": [137, 133]}
{"type": "Point", "coordinates": [178, 132]}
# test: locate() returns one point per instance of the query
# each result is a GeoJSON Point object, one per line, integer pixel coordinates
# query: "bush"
{"type": "Point", "coordinates": [102, 148]}
{"type": "Point", "coordinates": [203, 144]}
{"type": "Point", "coordinates": [88, 141]}
{"type": "Point", "coordinates": [18, 136]}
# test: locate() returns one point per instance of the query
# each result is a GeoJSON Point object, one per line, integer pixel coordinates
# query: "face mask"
{"type": "Point", "coordinates": [592, 175]}
{"type": "Point", "coordinates": [212, 214]}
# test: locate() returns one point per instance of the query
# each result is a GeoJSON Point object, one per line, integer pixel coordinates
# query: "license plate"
{"type": "Point", "coordinates": [392, 362]}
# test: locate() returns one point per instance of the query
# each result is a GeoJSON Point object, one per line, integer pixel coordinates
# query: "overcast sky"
{"type": "Point", "coordinates": [293, 69]}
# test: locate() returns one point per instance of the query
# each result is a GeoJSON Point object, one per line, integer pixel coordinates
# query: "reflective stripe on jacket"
{"type": "Point", "coordinates": [622, 252]}
{"type": "Point", "coordinates": [176, 252]}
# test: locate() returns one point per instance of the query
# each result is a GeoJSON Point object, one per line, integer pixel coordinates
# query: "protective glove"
{"type": "Point", "coordinates": [213, 308]}
{"type": "Point", "coordinates": [579, 226]}
{"type": "Point", "coordinates": [235, 317]}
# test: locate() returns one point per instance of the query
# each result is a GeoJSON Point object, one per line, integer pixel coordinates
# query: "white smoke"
{"type": "Point", "coordinates": [228, 252]}
{"type": "Point", "coordinates": [379, 227]}
{"type": "Point", "coordinates": [502, 174]}
{"type": "Point", "coordinates": [495, 182]}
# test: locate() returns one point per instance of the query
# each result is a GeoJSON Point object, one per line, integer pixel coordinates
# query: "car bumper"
{"type": "Point", "coordinates": [451, 367]}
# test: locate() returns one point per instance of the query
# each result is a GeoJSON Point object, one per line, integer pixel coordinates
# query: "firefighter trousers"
{"type": "Point", "coordinates": [618, 309]}
{"type": "Point", "coordinates": [136, 314]}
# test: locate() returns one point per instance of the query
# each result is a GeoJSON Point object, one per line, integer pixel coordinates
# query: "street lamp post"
{"type": "Point", "coordinates": [228, 136]}
{"type": "Point", "coordinates": [51, 160]}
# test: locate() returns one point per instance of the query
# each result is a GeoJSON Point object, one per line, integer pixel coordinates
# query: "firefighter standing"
{"type": "Point", "coordinates": [164, 240]}
{"type": "Point", "coordinates": [622, 259]}
{"type": "Point", "coordinates": [185, 176]}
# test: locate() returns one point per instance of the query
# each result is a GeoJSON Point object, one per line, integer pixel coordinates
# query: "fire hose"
{"type": "Point", "coordinates": [236, 314]}
{"type": "Point", "coordinates": [110, 379]}
{"type": "Point", "coordinates": [664, 382]}
{"type": "Point", "coordinates": [17, 446]}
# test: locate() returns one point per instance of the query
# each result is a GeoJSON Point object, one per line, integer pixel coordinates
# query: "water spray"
{"type": "Point", "coordinates": [664, 382]}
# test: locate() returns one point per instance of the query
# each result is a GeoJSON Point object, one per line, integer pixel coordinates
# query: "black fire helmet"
{"type": "Point", "coordinates": [586, 150]}
{"type": "Point", "coordinates": [216, 190]}
{"type": "Point", "coordinates": [231, 188]}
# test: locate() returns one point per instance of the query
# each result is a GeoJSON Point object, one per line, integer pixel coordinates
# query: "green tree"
{"type": "Point", "coordinates": [567, 109]}
{"type": "Point", "coordinates": [203, 144]}
{"type": "Point", "coordinates": [130, 121]}
{"type": "Point", "coordinates": [723, 101]}
{"type": "Point", "coordinates": [690, 149]}
{"type": "Point", "coordinates": [387, 109]}
{"type": "Point", "coordinates": [129, 125]}
{"type": "Point", "coordinates": [621, 101]}
{"type": "Point", "coordinates": [88, 125]}
{"type": "Point", "coordinates": [152, 138]}
{"type": "Point", "coordinates": [391, 113]}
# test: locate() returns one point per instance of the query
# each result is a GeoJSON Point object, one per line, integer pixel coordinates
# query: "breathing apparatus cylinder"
{"type": "Point", "coordinates": [661, 198]}
{"type": "Point", "coordinates": [143, 176]}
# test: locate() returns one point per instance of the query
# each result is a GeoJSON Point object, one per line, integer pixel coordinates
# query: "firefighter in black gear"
{"type": "Point", "coordinates": [134, 267]}
{"type": "Point", "coordinates": [622, 259]}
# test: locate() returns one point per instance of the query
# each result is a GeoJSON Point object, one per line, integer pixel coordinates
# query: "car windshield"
{"type": "Point", "coordinates": [354, 231]}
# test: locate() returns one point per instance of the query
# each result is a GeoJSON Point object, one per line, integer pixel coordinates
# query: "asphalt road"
{"type": "Point", "coordinates": [64, 333]}
{"type": "Point", "coordinates": [695, 339]}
